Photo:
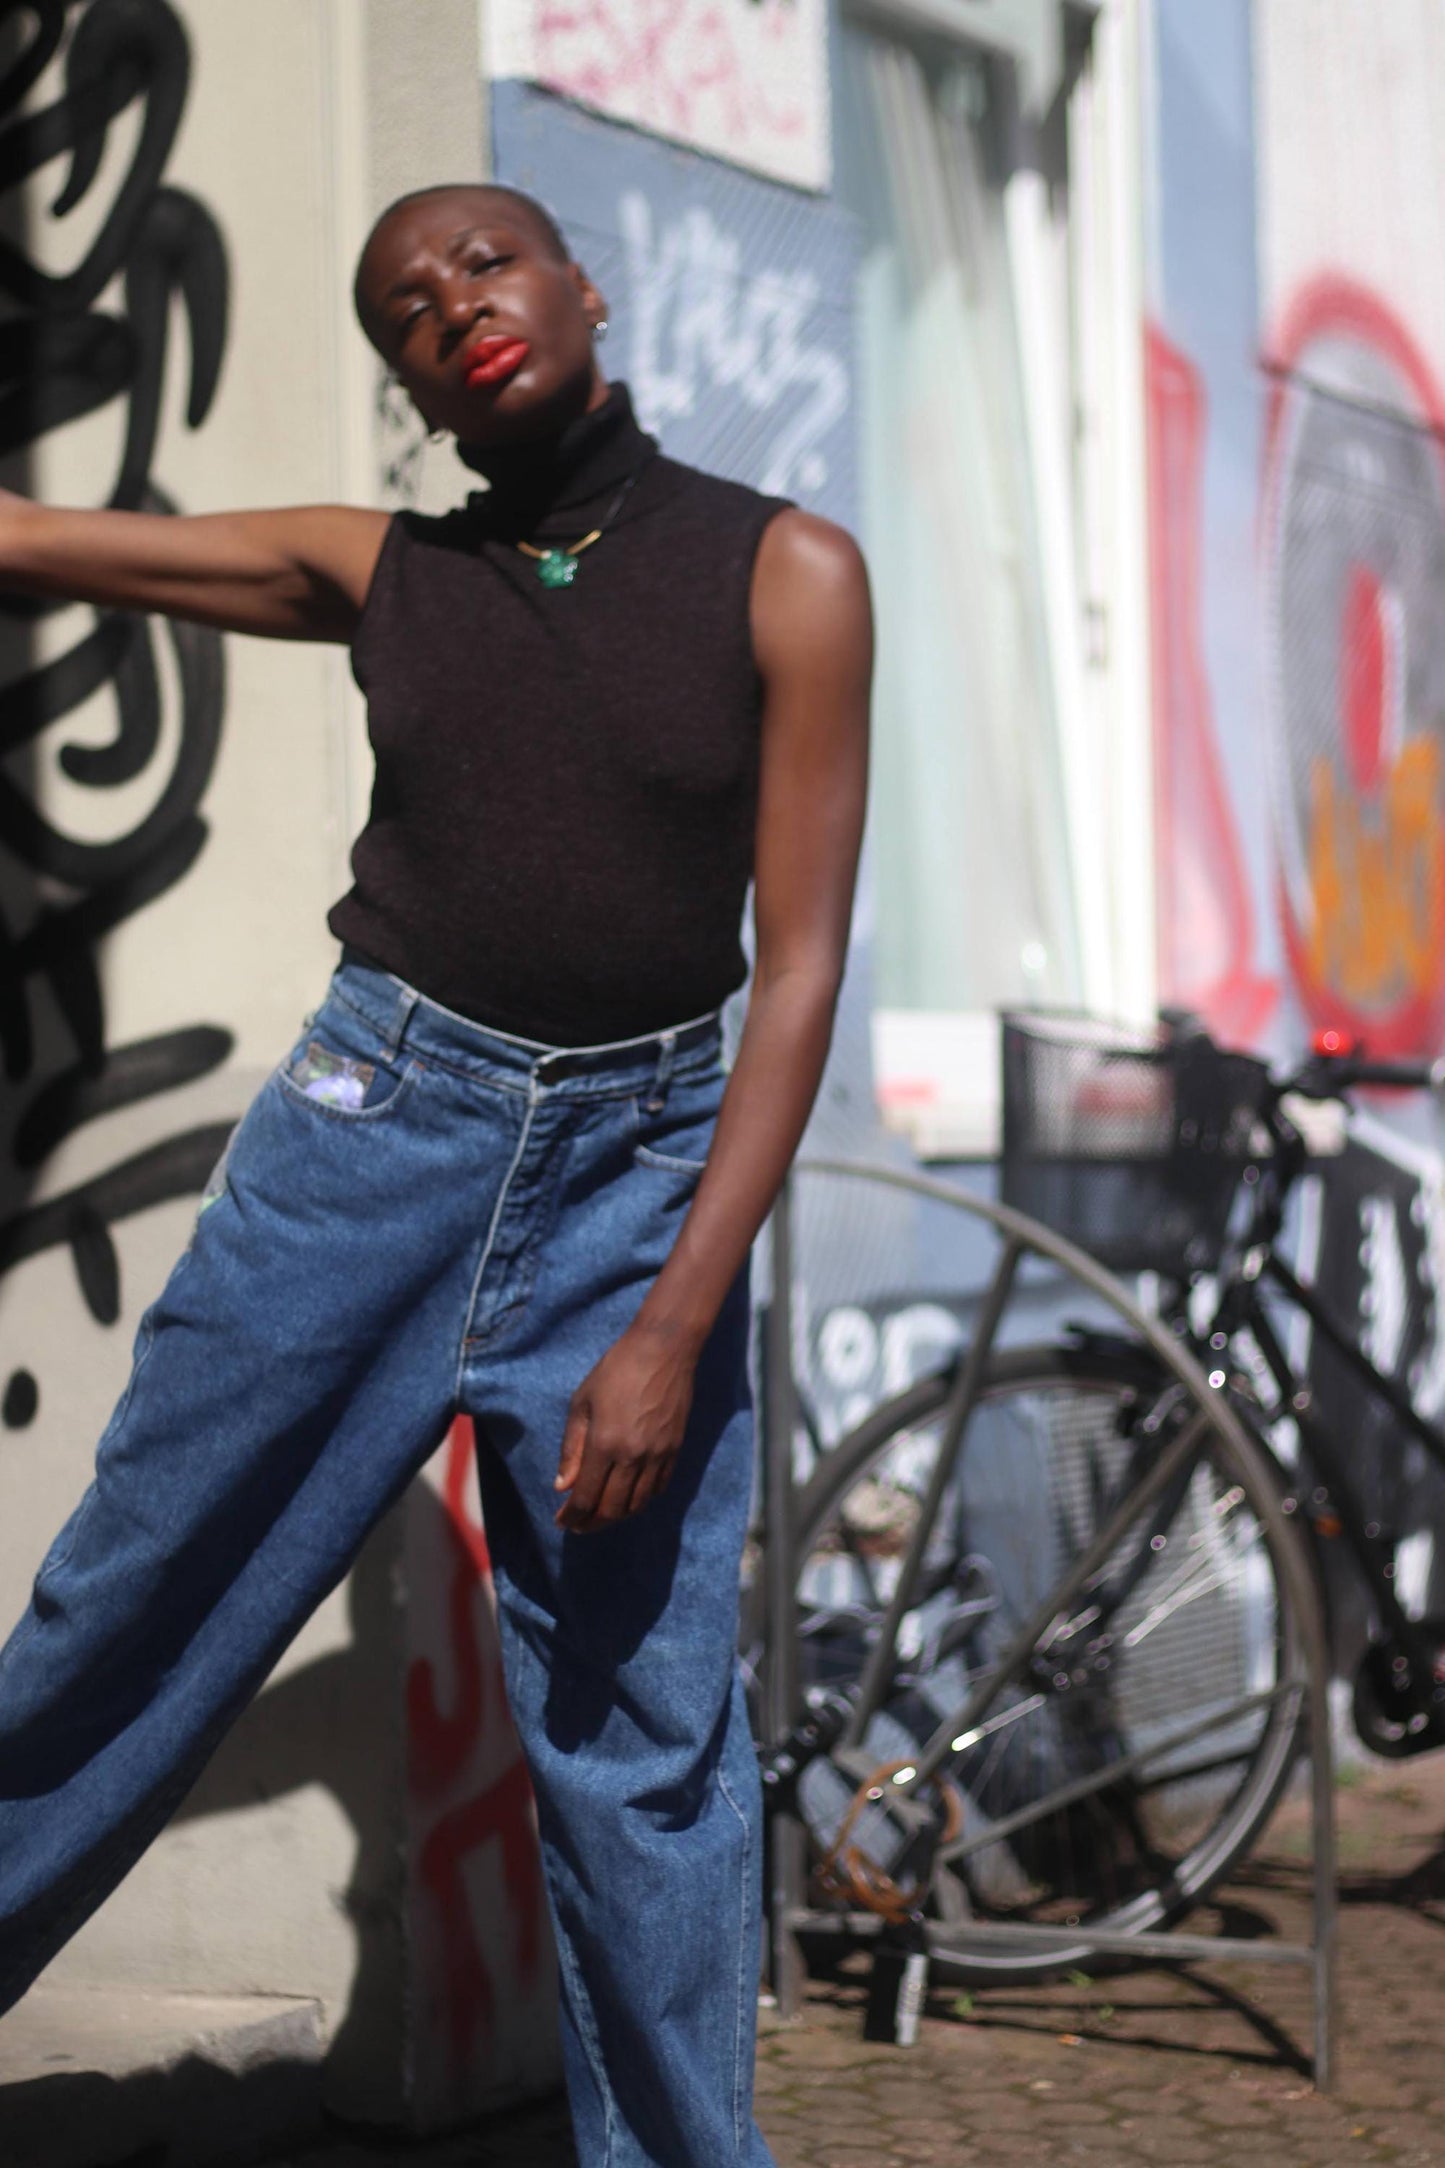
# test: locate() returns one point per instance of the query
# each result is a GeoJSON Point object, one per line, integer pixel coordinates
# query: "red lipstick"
{"type": "Point", "coordinates": [493, 360]}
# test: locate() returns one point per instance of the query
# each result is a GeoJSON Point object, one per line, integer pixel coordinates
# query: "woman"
{"type": "Point", "coordinates": [602, 697]}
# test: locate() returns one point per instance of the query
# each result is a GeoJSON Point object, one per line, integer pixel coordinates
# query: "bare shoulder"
{"type": "Point", "coordinates": [810, 585]}
{"type": "Point", "coordinates": [808, 554]}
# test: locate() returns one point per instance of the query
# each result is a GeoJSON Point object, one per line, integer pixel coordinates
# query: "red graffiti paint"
{"type": "Point", "coordinates": [501, 1814]}
{"type": "Point", "coordinates": [1206, 921]}
{"type": "Point", "coordinates": [440, 1740]}
{"type": "Point", "coordinates": [454, 1744]}
{"type": "Point", "coordinates": [1369, 641]}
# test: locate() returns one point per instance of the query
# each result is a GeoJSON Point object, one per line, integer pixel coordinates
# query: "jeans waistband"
{"type": "Point", "coordinates": [408, 1018]}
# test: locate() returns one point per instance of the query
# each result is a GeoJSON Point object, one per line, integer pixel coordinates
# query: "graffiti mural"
{"type": "Point", "coordinates": [1354, 536]}
{"type": "Point", "coordinates": [1297, 544]}
{"type": "Point", "coordinates": [64, 356]}
{"type": "Point", "coordinates": [744, 79]}
{"type": "Point", "coordinates": [1297, 527]}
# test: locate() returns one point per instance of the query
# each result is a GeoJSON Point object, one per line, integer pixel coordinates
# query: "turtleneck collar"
{"type": "Point", "coordinates": [529, 482]}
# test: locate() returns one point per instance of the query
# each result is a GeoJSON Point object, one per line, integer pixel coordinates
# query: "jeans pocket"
{"type": "Point", "coordinates": [344, 1074]}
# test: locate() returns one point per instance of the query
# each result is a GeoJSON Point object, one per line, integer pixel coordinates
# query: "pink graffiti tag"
{"type": "Point", "coordinates": [680, 63]}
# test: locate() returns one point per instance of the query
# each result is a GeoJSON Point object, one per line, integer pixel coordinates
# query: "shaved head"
{"type": "Point", "coordinates": [449, 271]}
{"type": "Point", "coordinates": [482, 196]}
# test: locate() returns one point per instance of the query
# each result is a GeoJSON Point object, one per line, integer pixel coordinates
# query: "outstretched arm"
{"type": "Point", "coordinates": [813, 639]}
{"type": "Point", "coordinates": [299, 574]}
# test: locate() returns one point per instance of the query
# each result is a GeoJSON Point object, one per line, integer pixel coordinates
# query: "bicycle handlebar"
{"type": "Point", "coordinates": [1330, 1076]}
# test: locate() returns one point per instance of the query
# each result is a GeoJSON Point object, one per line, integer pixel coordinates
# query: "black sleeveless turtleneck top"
{"type": "Point", "coordinates": [561, 829]}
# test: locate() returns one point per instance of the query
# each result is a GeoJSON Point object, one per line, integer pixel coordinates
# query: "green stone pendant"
{"type": "Point", "coordinates": [556, 568]}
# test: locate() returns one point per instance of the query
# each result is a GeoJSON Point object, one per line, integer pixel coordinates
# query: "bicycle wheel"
{"type": "Point", "coordinates": [1130, 1750]}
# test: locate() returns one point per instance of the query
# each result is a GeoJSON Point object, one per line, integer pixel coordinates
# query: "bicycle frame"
{"type": "Point", "coordinates": [1321, 1444]}
{"type": "Point", "coordinates": [1240, 1306]}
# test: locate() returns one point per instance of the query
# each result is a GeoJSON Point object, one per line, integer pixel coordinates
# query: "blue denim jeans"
{"type": "Point", "coordinates": [416, 1217]}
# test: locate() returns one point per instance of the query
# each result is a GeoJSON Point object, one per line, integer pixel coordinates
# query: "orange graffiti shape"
{"type": "Point", "coordinates": [1377, 881]}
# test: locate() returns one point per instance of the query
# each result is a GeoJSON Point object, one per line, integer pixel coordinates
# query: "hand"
{"type": "Point", "coordinates": [624, 1428]}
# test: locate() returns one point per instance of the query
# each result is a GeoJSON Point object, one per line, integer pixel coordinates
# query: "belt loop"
{"type": "Point", "coordinates": [666, 1056]}
{"type": "Point", "coordinates": [406, 1001]}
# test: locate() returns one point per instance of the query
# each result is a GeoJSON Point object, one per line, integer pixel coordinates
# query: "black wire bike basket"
{"type": "Point", "coordinates": [1131, 1144]}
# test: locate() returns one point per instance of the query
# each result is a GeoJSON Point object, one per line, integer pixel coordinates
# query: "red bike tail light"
{"type": "Point", "coordinates": [1336, 1042]}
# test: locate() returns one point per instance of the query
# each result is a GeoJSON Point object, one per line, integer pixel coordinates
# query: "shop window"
{"type": "Point", "coordinates": [987, 826]}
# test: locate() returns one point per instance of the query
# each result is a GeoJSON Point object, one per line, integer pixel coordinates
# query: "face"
{"type": "Point", "coordinates": [489, 332]}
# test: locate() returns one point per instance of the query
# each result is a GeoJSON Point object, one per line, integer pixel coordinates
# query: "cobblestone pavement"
{"type": "Point", "coordinates": [1160, 2067]}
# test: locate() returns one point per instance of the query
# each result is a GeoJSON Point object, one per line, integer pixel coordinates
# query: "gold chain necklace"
{"type": "Point", "coordinates": [557, 565]}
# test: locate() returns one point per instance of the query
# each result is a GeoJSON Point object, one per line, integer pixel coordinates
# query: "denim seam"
{"type": "Point", "coordinates": [334, 993]}
{"type": "Point", "coordinates": [468, 1340]}
{"type": "Point", "coordinates": [585, 2020]}
{"type": "Point", "coordinates": [644, 1156]}
{"type": "Point", "coordinates": [742, 1959]}
{"type": "Point", "coordinates": [55, 1559]}
{"type": "Point", "coordinates": [145, 1342]}
{"type": "Point", "coordinates": [519, 1090]}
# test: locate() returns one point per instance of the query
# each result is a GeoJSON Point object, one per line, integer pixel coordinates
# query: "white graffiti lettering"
{"type": "Point", "coordinates": [700, 323]}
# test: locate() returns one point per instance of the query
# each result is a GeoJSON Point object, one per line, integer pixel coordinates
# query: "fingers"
{"type": "Point", "coordinates": [574, 1443]}
{"type": "Point", "coordinates": [618, 1492]}
{"type": "Point", "coordinates": [587, 1487]}
{"type": "Point", "coordinates": [610, 1488]}
{"type": "Point", "coordinates": [652, 1482]}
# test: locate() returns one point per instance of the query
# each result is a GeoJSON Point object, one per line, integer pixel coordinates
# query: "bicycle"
{"type": "Point", "coordinates": [1055, 1610]}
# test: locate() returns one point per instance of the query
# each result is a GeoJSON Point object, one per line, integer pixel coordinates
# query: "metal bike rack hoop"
{"type": "Point", "coordinates": [1019, 1236]}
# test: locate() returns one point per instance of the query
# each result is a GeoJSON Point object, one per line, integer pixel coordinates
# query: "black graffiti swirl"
{"type": "Point", "coordinates": [64, 356]}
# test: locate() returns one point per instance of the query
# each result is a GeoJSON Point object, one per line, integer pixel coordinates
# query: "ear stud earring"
{"type": "Point", "coordinates": [599, 329]}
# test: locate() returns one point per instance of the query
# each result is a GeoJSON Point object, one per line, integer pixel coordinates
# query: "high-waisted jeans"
{"type": "Point", "coordinates": [417, 1217]}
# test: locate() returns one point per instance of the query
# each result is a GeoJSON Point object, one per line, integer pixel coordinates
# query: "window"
{"type": "Point", "coordinates": [993, 808]}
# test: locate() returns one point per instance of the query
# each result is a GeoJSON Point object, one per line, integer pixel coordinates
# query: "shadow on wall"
{"type": "Point", "coordinates": [63, 357]}
{"type": "Point", "coordinates": [198, 2114]}
{"type": "Point", "coordinates": [192, 2111]}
